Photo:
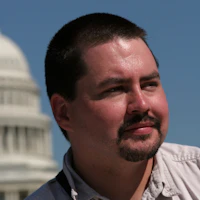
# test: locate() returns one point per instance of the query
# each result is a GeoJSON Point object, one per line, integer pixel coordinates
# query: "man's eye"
{"type": "Point", "coordinates": [150, 85]}
{"type": "Point", "coordinates": [115, 89]}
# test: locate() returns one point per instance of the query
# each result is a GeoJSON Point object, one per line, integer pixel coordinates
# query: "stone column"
{"type": "Point", "coordinates": [41, 144]}
{"type": "Point", "coordinates": [44, 141]}
{"type": "Point", "coordinates": [30, 140]}
{"type": "Point", "coordinates": [37, 138]}
{"type": "Point", "coordinates": [48, 142]}
{"type": "Point", "coordinates": [1, 96]}
{"type": "Point", "coordinates": [34, 141]}
{"type": "Point", "coordinates": [10, 139]}
{"type": "Point", "coordinates": [11, 195]}
{"type": "Point", "coordinates": [16, 139]}
{"type": "Point", "coordinates": [5, 139]}
{"type": "Point", "coordinates": [5, 97]}
{"type": "Point", "coordinates": [1, 140]}
{"type": "Point", "coordinates": [22, 141]}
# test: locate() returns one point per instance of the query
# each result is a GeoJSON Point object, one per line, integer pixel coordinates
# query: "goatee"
{"type": "Point", "coordinates": [136, 154]}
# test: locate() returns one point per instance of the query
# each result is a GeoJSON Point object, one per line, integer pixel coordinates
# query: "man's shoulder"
{"type": "Point", "coordinates": [50, 190]}
{"type": "Point", "coordinates": [180, 153]}
{"type": "Point", "coordinates": [180, 169]}
{"type": "Point", "coordinates": [44, 192]}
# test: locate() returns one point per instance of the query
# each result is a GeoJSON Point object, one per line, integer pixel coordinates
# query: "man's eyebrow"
{"type": "Point", "coordinates": [154, 75]}
{"type": "Point", "coordinates": [112, 81]}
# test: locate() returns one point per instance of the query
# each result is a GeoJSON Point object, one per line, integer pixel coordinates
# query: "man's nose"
{"type": "Point", "coordinates": [137, 102]}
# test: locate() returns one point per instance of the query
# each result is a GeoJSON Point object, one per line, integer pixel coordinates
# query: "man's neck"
{"type": "Point", "coordinates": [124, 180]}
{"type": "Point", "coordinates": [144, 181]}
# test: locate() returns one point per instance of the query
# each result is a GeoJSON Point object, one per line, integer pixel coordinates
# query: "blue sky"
{"type": "Point", "coordinates": [173, 29]}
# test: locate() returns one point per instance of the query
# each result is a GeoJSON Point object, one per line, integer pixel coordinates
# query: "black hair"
{"type": "Point", "coordinates": [64, 65]}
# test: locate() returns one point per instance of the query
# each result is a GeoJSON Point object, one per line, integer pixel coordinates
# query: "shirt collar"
{"type": "Point", "coordinates": [78, 186]}
{"type": "Point", "coordinates": [161, 180]}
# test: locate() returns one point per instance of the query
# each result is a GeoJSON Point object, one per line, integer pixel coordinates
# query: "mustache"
{"type": "Point", "coordinates": [138, 119]}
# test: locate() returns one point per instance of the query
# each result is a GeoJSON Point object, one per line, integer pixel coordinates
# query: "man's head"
{"type": "Point", "coordinates": [104, 87]}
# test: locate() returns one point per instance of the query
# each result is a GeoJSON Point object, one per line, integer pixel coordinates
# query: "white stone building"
{"type": "Point", "coordinates": [25, 137]}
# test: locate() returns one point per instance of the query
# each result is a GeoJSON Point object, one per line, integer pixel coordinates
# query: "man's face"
{"type": "Point", "coordinates": [120, 109]}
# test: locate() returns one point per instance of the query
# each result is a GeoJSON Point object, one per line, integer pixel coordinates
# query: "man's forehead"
{"type": "Point", "coordinates": [119, 51]}
{"type": "Point", "coordinates": [117, 43]}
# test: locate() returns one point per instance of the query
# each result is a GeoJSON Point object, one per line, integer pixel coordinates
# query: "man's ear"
{"type": "Point", "coordinates": [60, 108]}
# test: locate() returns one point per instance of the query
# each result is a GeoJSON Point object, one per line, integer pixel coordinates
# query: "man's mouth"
{"type": "Point", "coordinates": [142, 128]}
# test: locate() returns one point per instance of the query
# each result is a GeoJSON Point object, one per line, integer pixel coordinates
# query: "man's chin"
{"type": "Point", "coordinates": [138, 151]}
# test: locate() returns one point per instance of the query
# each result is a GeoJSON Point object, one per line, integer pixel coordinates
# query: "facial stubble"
{"type": "Point", "coordinates": [135, 154]}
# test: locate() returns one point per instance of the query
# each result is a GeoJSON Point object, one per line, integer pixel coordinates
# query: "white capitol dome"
{"type": "Point", "coordinates": [25, 136]}
{"type": "Point", "coordinates": [12, 58]}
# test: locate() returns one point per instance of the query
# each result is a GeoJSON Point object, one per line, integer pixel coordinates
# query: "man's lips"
{"type": "Point", "coordinates": [142, 128]}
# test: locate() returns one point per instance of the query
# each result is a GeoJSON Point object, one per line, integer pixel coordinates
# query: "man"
{"type": "Point", "coordinates": [106, 95]}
